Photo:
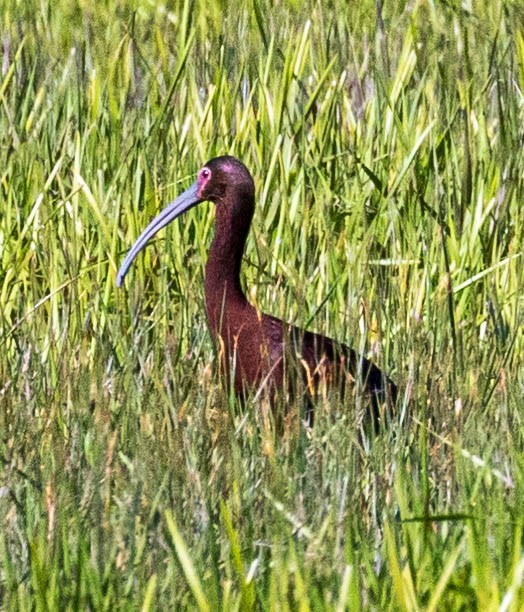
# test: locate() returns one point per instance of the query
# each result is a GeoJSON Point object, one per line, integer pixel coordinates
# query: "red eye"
{"type": "Point", "coordinates": [206, 173]}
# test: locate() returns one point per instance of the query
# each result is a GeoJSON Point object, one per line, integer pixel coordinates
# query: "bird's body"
{"type": "Point", "coordinates": [264, 352]}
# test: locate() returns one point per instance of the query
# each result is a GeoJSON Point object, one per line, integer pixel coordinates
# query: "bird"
{"type": "Point", "coordinates": [259, 351]}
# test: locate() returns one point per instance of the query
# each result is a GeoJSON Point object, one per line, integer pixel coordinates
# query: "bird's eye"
{"type": "Point", "coordinates": [206, 173]}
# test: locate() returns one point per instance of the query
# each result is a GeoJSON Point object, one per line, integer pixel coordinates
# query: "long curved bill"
{"type": "Point", "coordinates": [184, 202]}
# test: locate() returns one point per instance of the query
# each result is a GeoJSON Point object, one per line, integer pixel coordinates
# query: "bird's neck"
{"type": "Point", "coordinates": [225, 299]}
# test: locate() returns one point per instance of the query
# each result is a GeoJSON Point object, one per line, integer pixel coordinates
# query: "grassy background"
{"type": "Point", "coordinates": [387, 146]}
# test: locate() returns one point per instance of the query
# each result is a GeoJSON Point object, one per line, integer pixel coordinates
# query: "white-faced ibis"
{"type": "Point", "coordinates": [259, 347]}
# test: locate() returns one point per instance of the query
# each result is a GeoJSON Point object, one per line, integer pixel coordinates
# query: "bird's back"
{"type": "Point", "coordinates": [322, 361]}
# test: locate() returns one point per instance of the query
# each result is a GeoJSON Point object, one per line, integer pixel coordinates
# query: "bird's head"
{"type": "Point", "coordinates": [225, 181]}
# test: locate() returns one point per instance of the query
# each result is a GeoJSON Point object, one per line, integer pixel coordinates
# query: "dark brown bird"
{"type": "Point", "coordinates": [264, 351]}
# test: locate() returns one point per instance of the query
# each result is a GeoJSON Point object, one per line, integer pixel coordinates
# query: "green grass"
{"type": "Point", "coordinates": [388, 153]}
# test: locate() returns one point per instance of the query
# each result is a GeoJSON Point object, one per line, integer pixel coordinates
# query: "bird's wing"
{"type": "Point", "coordinates": [319, 356]}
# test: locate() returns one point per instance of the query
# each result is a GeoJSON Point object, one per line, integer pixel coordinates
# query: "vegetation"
{"type": "Point", "coordinates": [387, 145]}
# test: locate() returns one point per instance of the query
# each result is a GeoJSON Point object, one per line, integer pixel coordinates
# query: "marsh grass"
{"type": "Point", "coordinates": [387, 149]}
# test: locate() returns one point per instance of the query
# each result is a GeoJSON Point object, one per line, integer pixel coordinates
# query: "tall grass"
{"type": "Point", "coordinates": [386, 142]}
